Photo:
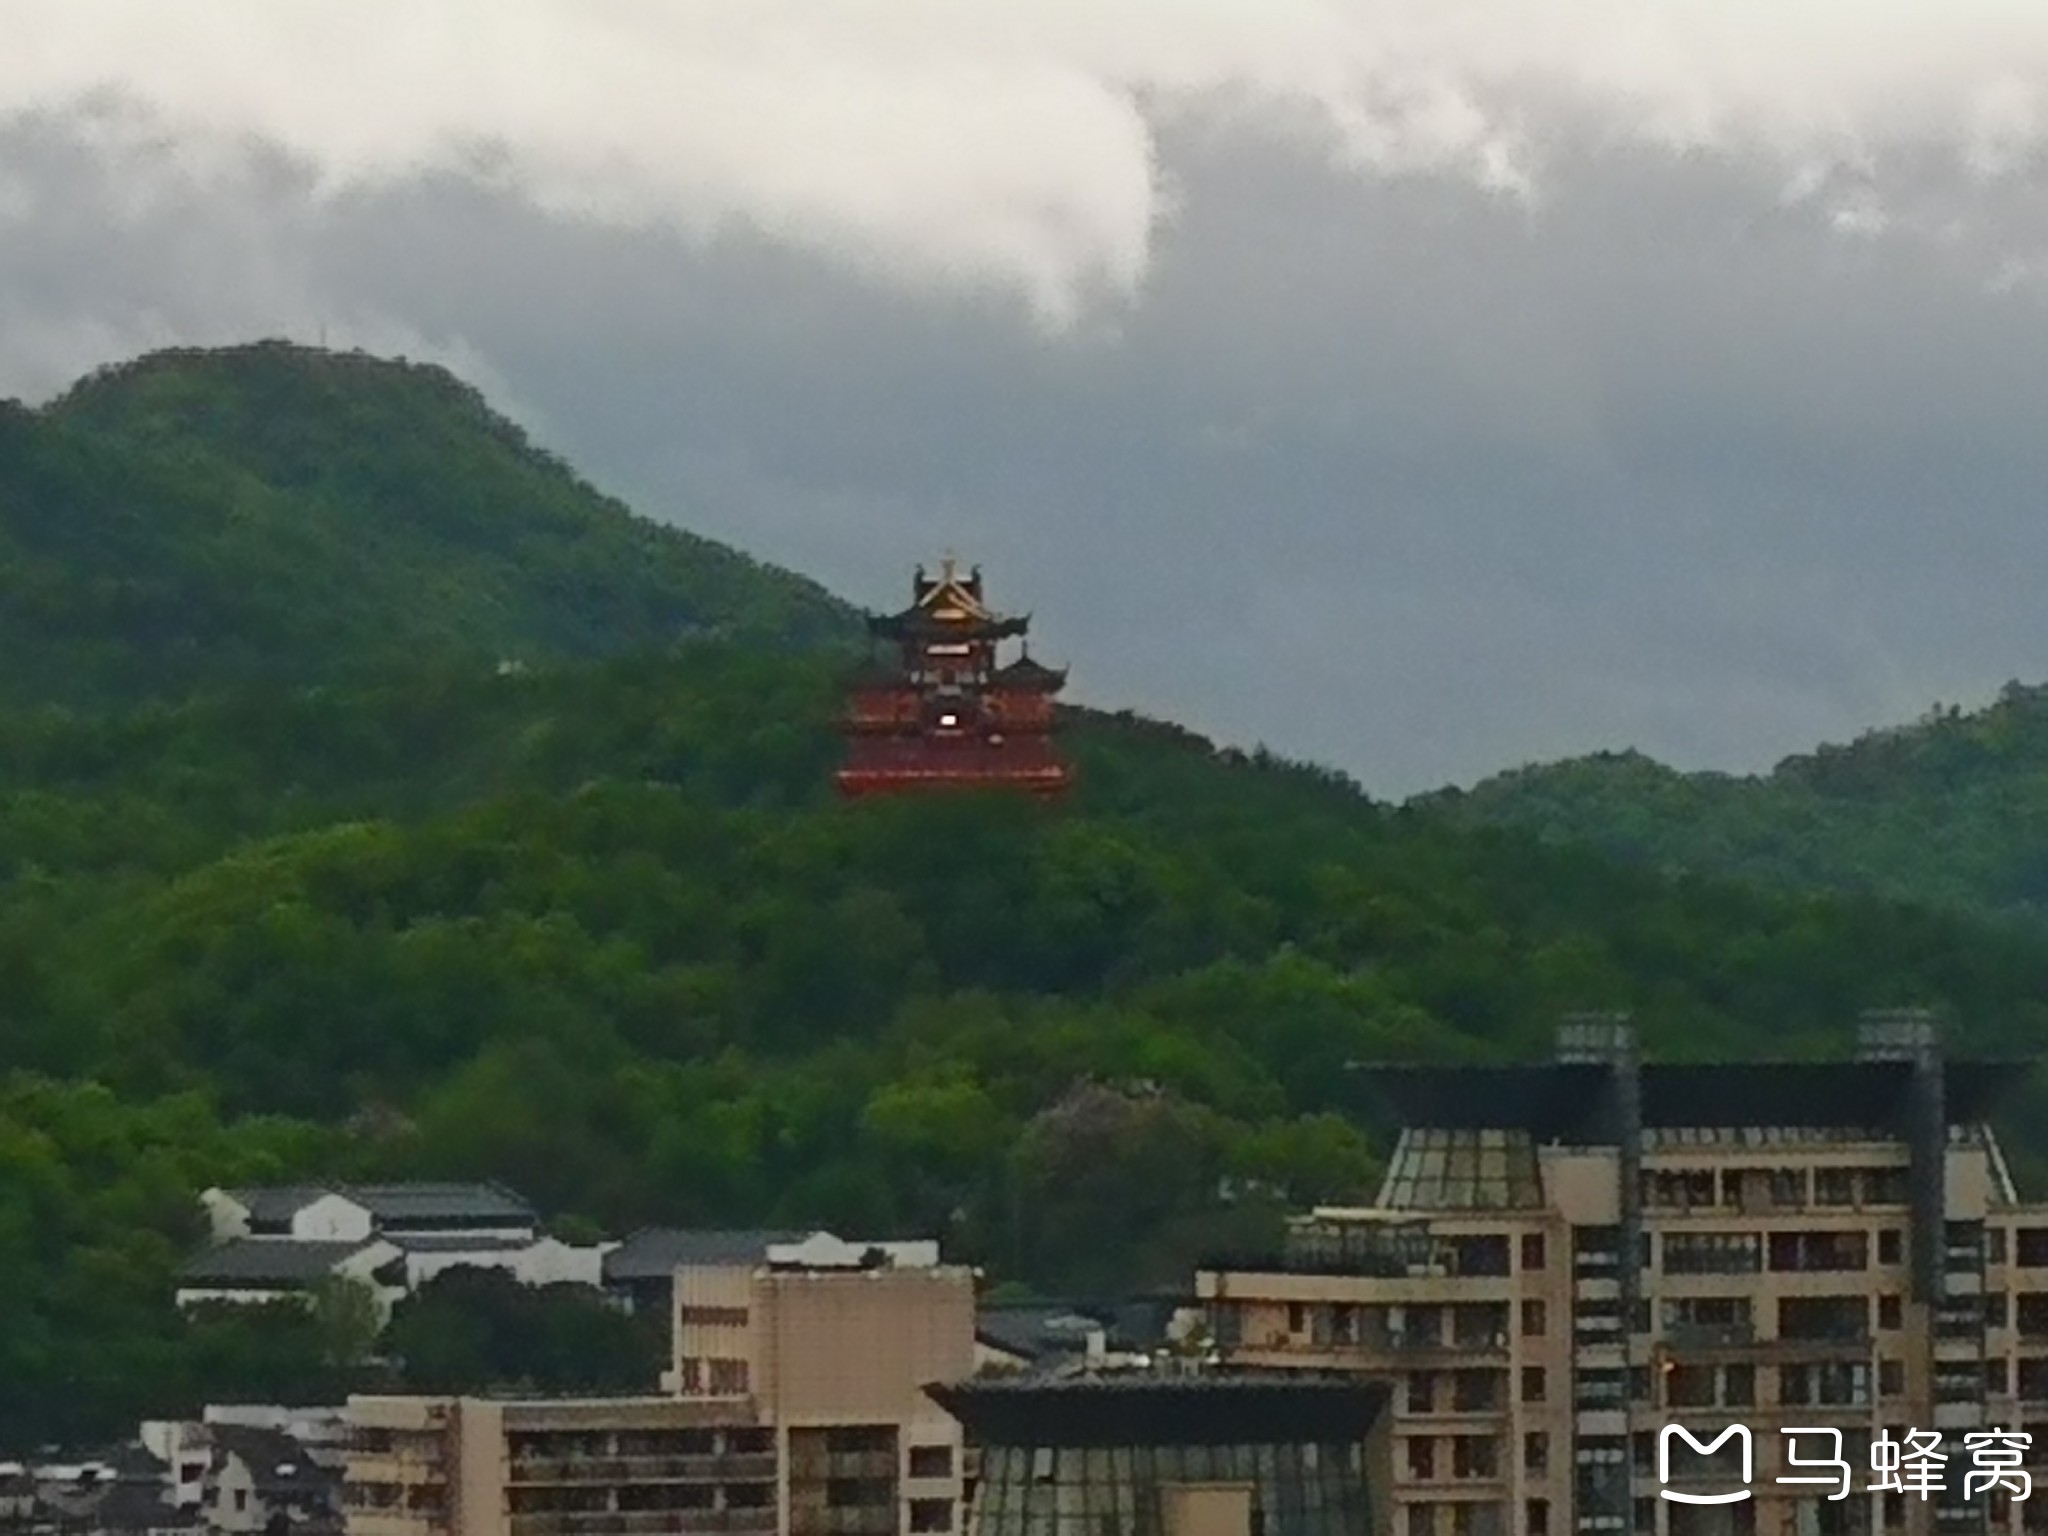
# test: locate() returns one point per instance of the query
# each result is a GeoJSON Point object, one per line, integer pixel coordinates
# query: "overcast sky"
{"type": "Point", "coordinates": [1424, 387]}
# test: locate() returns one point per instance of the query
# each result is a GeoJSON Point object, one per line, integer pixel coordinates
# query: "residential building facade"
{"type": "Point", "coordinates": [1565, 1258]}
{"type": "Point", "coordinates": [796, 1408]}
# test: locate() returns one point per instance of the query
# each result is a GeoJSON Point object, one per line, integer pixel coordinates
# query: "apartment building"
{"type": "Point", "coordinates": [795, 1408]}
{"type": "Point", "coordinates": [1566, 1257]}
{"type": "Point", "coordinates": [1139, 1453]}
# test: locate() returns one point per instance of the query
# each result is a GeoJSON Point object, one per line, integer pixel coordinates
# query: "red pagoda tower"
{"type": "Point", "coordinates": [942, 713]}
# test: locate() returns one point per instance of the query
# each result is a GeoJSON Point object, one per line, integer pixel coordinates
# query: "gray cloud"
{"type": "Point", "coordinates": [1622, 396]}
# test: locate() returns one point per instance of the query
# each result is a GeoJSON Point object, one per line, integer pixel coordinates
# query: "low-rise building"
{"type": "Point", "coordinates": [277, 1243]}
{"type": "Point", "coordinates": [796, 1409]}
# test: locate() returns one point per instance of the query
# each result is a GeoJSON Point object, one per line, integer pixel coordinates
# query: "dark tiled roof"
{"type": "Point", "coordinates": [1139, 1408]}
{"type": "Point", "coordinates": [277, 1202]}
{"type": "Point", "coordinates": [428, 1202]}
{"type": "Point", "coordinates": [654, 1253]}
{"type": "Point", "coordinates": [456, 1242]}
{"type": "Point", "coordinates": [134, 1506]}
{"type": "Point", "coordinates": [1027, 673]}
{"type": "Point", "coordinates": [277, 1463]}
{"type": "Point", "coordinates": [390, 1202]}
{"type": "Point", "coordinates": [1034, 1331]}
{"type": "Point", "coordinates": [260, 1262]}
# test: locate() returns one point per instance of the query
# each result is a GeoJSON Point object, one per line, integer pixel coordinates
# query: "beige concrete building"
{"type": "Point", "coordinates": [795, 1408]}
{"type": "Point", "coordinates": [1566, 1258]}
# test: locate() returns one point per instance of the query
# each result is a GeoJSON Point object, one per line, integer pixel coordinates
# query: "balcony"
{"type": "Point", "coordinates": [394, 1522]}
{"type": "Point", "coordinates": [395, 1467]}
{"type": "Point", "coordinates": [1408, 1343]}
{"type": "Point", "coordinates": [641, 1522]}
{"type": "Point", "coordinates": [1855, 1334]}
{"type": "Point", "coordinates": [1707, 1336]}
{"type": "Point", "coordinates": [612, 1470]}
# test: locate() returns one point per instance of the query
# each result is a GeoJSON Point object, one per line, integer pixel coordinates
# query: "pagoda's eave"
{"type": "Point", "coordinates": [917, 625]}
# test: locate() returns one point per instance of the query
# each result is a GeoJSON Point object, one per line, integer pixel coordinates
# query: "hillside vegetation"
{"type": "Point", "coordinates": [283, 514]}
{"type": "Point", "coordinates": [602, 932]}
{"type": "Point", "coordinates": [1951, 811]}
{"type": "Point", "coordinates": [277, 901]}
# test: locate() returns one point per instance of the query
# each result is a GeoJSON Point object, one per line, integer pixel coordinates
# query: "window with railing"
{"type": "Point", "coordinates": [1819, 1252]}
{"type": "Point", "coordinates": [1600, 1389]}
{"type": "Point", "coordinates": [1829, 1383]}
{"type": "Point", "coordinates": [1475, 1391]}
{"type": "Point", "coordinates": [1596, 1251]}
{"type": "Point", "coordinates": [1475, 1456]}
{"type": "Point", "coordinates": [2031, 1314]}
{"type": "Point", "coordinates": [2033, 1380]}
{"type": "Point", "coordinates": [1709, 1320]}
{"type": "Point", "coordinates": [1713, 1253]}
{"type": "Point", "coordinates": [1824, 1318]}
{"type": "Point", "coordinates": [1963, 1245]}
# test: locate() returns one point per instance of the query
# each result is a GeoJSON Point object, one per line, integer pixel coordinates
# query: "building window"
{"type": "Point", "coordinates": [1834, 1186]}
{"type": "Point", "coordinates": [1819, 1252]}
{"type": "Point", "coordinates": [1891, 1378]}
{"type": "Point", "coordinates": [1532, 1383]}
{"type": "Point", "coordinates": [1994, 1245]}
{"type": "Point", "coordinates": [1297, 1317]}
{"type": "Point", "coordinates": [728, 1378]}
{"type": "Point", "coordinates": [1532, 1319]}
{"type": "Point", "coordinates": [1475, 1391]}
{"type": "Point", "coordinates": [1535, 1453]}
{"type": "Point", "coordinates": [1890, 1243]}
{"type": "Point", "coordinates": [1475, 1456]}
{"type": "Point", "coordinates": [1738, 1386]}
{"type": "Point", "coordinates": [1888, 1312]}
{"type": "Point", "coordinates": [931, 1461]}
{"type": "Point", "coordinates": [1421, 1459]}
{"type": "Point", "coordinates": [1713, 1253]}
{"type": "Point", "coordinates": [1645, 1516]}
{"type": "Point", "coordinates": [1532, 1250]}
{"type": "Point", "coordinates": [691, 1375]}
{"type": "Point", "coordinates": [1421, 1392]}
{"type": "Point", "coordinates": [1995, 1378]}
{"type": "Point", "coordinates": [931, 1515]}
{"type": "Point", "coordinates": [1536, 1517]}
{"type": "Point", "coordinates": [1600, 1389]}
{"type": "Point", "coordinates": [1994, 1310]}
{"type": "Point", "coordinates": [1421, 1520]}
{"type": "Point", "coordinates": [711, 1317]}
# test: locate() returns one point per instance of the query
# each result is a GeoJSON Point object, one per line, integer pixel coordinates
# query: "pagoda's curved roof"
{"type": "Point", "coordinates": [1024, 673]}
{"type": "Point", "coordinates": [918, 624]}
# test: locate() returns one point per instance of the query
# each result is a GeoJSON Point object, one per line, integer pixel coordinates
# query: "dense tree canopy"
{"type": "Point", "coordinates": [297, 880]}
{"type": "Point", "coordinates": [603, 933]}
{"type": "Point", "coordinates": [1950, 811]}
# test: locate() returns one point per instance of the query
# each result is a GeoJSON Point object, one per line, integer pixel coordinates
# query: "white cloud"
{"type": "Point", "coordinates": [1002, 142]}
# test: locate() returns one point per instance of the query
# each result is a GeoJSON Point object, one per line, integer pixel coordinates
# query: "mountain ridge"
{"type": "Point", "coordinates": [278, 513]}
{"type": "Point", "coordinates": [1950, 809]}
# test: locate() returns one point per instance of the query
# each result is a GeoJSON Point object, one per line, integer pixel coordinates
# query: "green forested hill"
{"type": "Point", "coordinates": [277, 513]}
{"type": "Point", "coordinates": [296, 880]}
{"type": "Point", "coordinates": [1950, 811]}
{"type": "Point", "coordinates": [602, 932]}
